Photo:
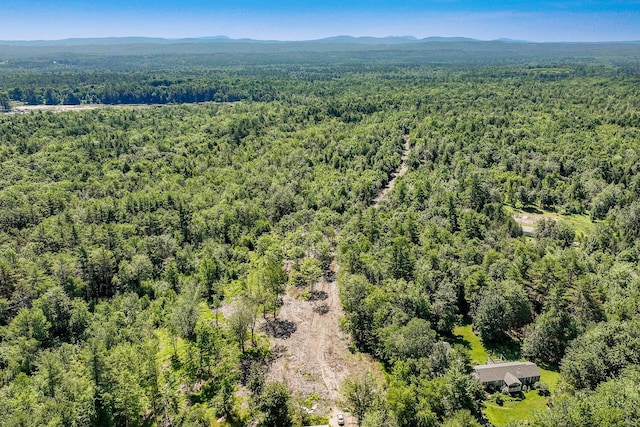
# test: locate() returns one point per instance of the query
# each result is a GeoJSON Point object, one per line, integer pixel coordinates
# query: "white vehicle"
{"type": "Point", "coordinates": [340, 418]}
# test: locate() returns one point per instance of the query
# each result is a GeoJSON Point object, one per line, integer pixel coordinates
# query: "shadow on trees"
{"type": "Point", "coordinates": [549, 366]}
{"type": "Point", "coordinates": [279, 328]}
{"type": "Point", "coordinates": [532, 210]}
{"type": "Point", "coordinates": [508, 349]}
{"type": "Point", "coordinates": [457, 340]}
{"type": "Point", "coordinates": [454, 339]}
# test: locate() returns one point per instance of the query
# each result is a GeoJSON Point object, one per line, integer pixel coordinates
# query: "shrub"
{"type": "Point", "coordinates": [543, 388]}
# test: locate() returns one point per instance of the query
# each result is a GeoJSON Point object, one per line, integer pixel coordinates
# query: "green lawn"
{"type": "Point", "coordinates": [581, 224]}
{"type": "Point", "coordinates": [511, 410]}
{"type": "Point", "coordinates": [479, 355]}
{"type": "Point", "coordinates": [514, 410]}
{"type": "Point", "coordinates": [520, 410]}
{"type": "Point", "coordinates": [550, 378]}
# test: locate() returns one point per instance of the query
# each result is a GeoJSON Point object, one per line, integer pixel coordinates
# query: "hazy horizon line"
{"type": "Point", "coordinates": [222, 38]}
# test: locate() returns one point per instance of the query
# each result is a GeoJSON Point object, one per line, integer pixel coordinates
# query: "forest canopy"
{"type": "Point", "coordinates": [140, 247]}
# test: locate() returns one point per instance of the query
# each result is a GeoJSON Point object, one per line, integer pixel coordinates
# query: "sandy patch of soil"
{"type": "Point", "coordinates": [22, 109]}
{"type": "Point", "coordinates": [528, 221]}
{"type": "Point", "coordinates": [315, 357]}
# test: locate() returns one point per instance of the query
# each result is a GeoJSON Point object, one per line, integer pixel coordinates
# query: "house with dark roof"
{"type": "Point", "coordinates": [512, 375]}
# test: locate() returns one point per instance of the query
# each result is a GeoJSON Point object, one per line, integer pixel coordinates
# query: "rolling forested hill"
{"type": "Point", "coordinates": [143, 248]}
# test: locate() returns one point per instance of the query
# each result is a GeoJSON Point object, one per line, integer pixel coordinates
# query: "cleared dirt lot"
{"type": "Point", "coordinates": [315, 358]}
{"type": "Point", "coordinates": [22, 109]}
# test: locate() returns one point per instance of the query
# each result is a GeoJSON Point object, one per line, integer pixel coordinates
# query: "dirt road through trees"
{"type": "Point", "coordinates": [402, 169]}
{"type": "Point", "coordinates": [313, 357]}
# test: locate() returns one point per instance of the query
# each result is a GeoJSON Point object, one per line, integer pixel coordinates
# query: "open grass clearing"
{"type": "Point", "coordinates": [514, 409]}
{"type": "Point", "coordinates": [465, 336]}
{"type": "Point", "coordinates": [528, 217]}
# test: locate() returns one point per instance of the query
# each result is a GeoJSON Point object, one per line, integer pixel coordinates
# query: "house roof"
{"type": "Point", "coordinates": [510, 379]}
{"type": "Point", "coordinates": [497, 371]}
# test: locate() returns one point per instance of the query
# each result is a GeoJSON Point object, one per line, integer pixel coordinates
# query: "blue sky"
{"type": "Point", "coordinates": [559, 20]}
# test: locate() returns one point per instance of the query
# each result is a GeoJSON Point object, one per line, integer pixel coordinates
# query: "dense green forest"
{"type": "Point", "coordinates": [141, 248]}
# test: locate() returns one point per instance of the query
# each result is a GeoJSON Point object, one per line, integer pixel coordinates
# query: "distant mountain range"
{"type": "Point", "coordinates": [218, 49]}
{"type": "Point", "coordinates": [225, 39]}
{"type": "Point", "coordinates": [391, 40]}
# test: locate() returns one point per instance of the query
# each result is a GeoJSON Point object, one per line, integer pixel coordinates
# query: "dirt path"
{"type": "Point", "coordinates": [402, 169]}
{"type": "Point", "coordinates": [22, 109]}
{"type": "Point", "coordinates": [315, 358]}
